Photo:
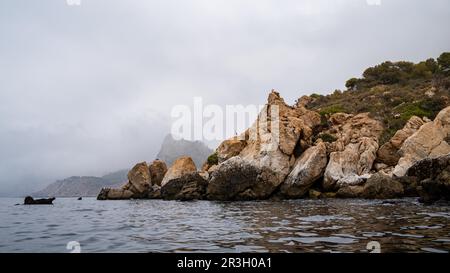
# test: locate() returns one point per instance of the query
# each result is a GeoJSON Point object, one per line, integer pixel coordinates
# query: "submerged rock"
{"type": "Point", "coordinates": [238, 179]}
{"type": "Point", "coordinates": [307, 169]}
{"type": "Point", "coordinates": [231, 147]}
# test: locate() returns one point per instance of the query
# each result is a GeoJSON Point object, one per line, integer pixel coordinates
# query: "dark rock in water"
{"type": "Point", "coordinates": [31, 201]}
{"type": "Point", "coordinates": [80, 198]}
{"type": "Point", "coordinates": [140, 184]}
{"type": "Point", "coordinates": [433, 175]}
{"type": "Point", "coordinates": [190, 186]}
{"type": "Point", "coordinates": [380, 186]}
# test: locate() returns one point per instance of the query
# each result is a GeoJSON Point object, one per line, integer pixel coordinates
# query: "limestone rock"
{"type": "Point", "coordinates": [183, 165]}
{"type": "Point", "coordinates": [388, 153]}
{"type": "Point", "coordinates": [157, 169]}
{"type": "Point", "coordinates": [308, 168]}
{"type": "Point", "coordinates": [431, 140]}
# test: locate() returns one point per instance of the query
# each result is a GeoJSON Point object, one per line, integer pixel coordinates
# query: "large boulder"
{"type": "Point", "coordinates": [239, 179]}
{"type": "Point", "coordinates": [183, 165]}
{"type": "Point", "coordinates": [354, 151]}
{"type": "Point", "coordinates": [388, 153]}
{"type": "Point", "coordinates": [189, 186]}
{"type": "Point", "coordinates": [114, 194]}
{"type": "Point", "coordinates": [307, 169]}
{"type": "Point", "coordinates": [268, 151]}
{"type": "Point", "coordinates": [433, 175]}
{"type": "Point", "coordinates": [157, 169]}
{"type": "Point", "coordinates": [349, 191]}
{"type": "Point", "coordinates": [431, 140]}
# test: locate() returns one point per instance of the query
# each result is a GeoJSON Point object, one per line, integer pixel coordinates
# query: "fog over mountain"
{"type": "Point", "coordinates": [86, 90]}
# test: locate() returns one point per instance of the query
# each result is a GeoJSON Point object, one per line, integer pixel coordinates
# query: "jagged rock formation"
{"type": "Point", "coordinates": [431, 140]}
{"type": "Point", "coordinates": [77, 186]}
{"type": "Point", "coordinates": [171, 149]}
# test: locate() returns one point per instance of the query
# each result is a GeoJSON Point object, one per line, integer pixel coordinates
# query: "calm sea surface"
{"type": "Point", "coordinates": [333, 225]}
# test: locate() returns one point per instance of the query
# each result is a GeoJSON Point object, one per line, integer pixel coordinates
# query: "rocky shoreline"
{"type": "Point", "coordinates": [308, 156]}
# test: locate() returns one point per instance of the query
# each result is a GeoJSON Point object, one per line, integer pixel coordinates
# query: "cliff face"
{"type": "Point", "coordinates": [172, 149]}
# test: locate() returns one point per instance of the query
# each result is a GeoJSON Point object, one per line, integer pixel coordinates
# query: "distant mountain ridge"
{"type": "Point", "coordinates": [171, 149]}
{"type": "Point", "coordinates": [76, 186]}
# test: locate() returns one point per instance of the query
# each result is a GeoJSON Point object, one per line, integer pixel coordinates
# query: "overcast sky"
{"type": "Point", "coordinates": [88, 89]}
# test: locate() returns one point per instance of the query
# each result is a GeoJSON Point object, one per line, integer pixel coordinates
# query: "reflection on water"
{"type": "Point", "coordinates": [265, 226]}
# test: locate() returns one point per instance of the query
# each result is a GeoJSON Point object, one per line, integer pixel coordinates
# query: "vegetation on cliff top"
{"type": "Point", "coordinates": [392, 92]}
